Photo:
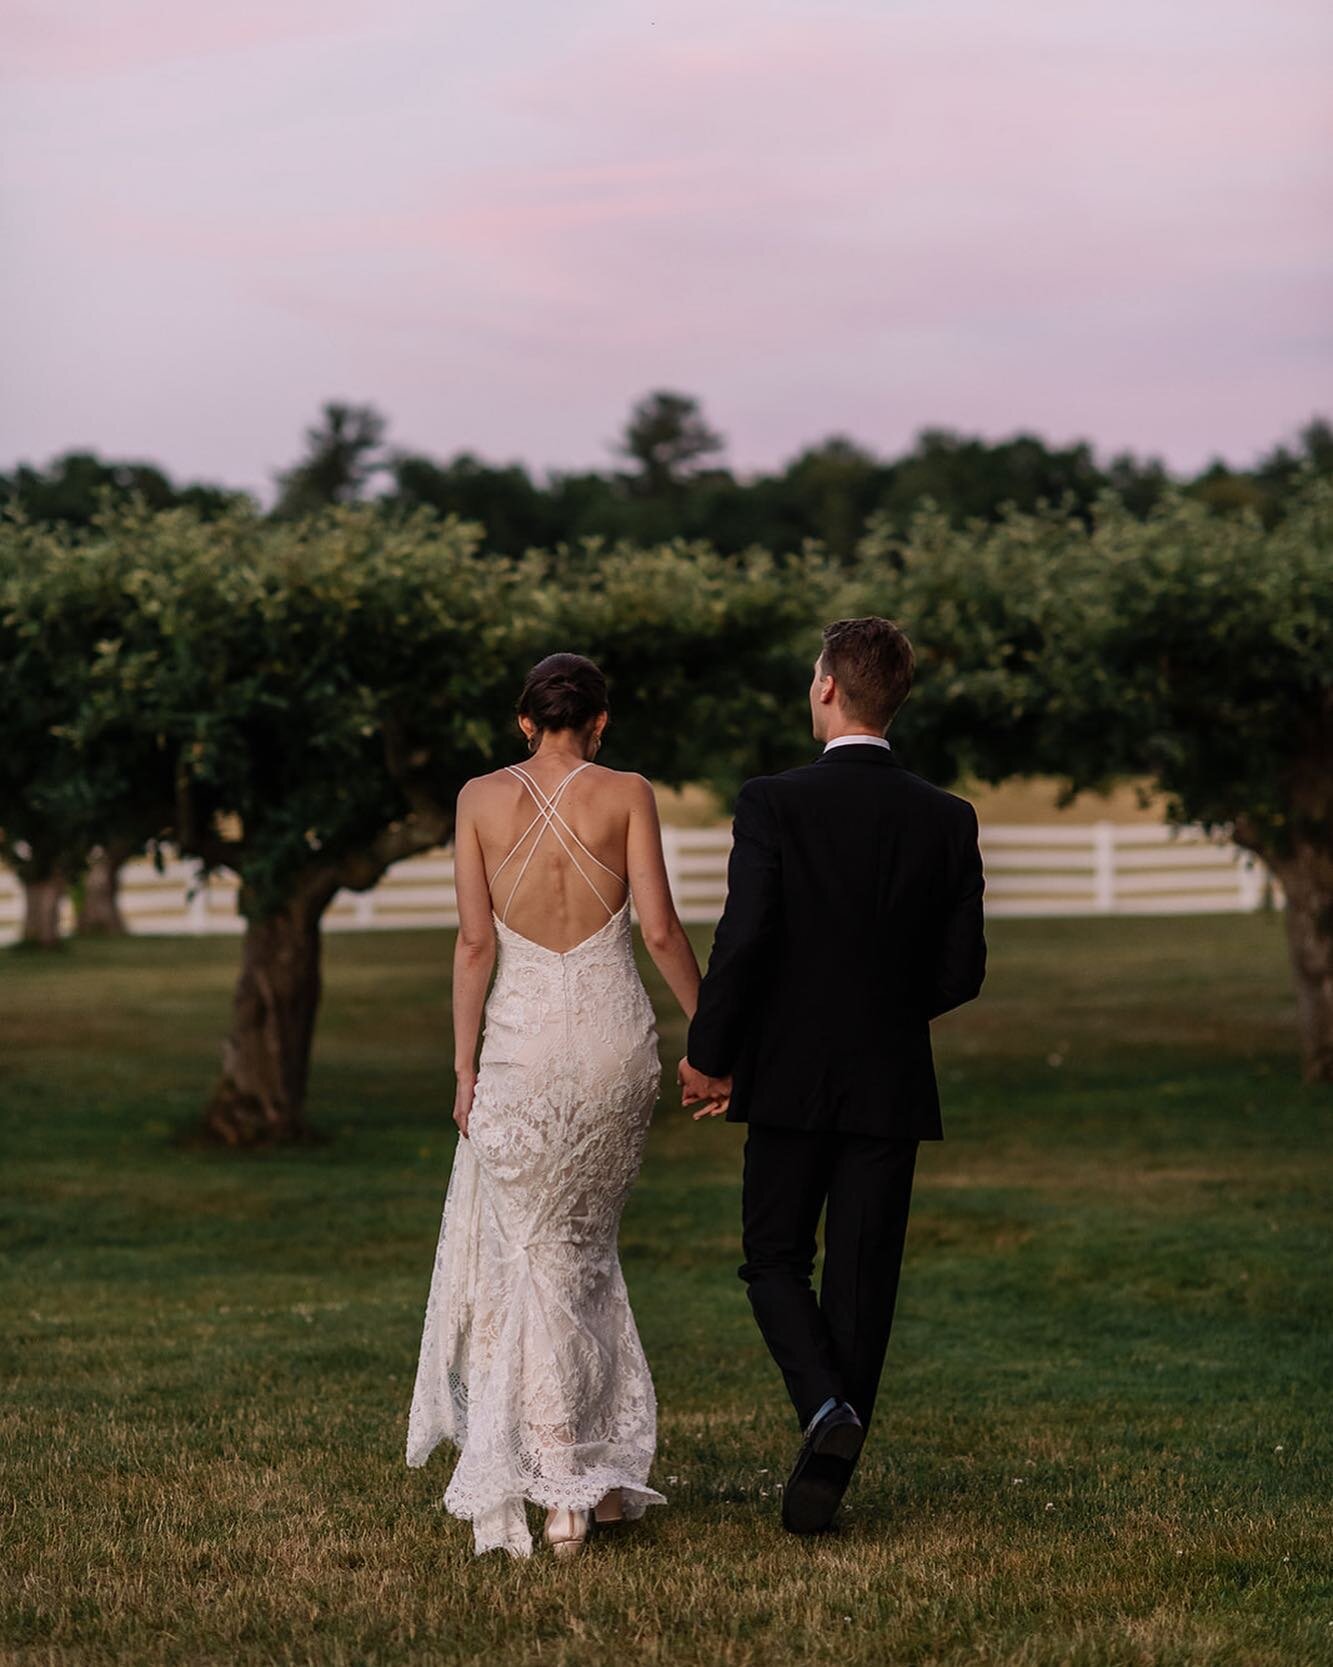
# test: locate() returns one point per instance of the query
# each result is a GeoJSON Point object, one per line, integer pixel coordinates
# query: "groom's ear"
{"type": "Point", "coordinates": [827, 689]}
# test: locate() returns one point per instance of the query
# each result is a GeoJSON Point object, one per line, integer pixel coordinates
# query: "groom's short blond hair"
{"type": "Point", "coordinates": [872, 662]}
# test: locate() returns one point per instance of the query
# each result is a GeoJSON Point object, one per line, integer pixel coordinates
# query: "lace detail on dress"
{"type": "Point", "coordinates": [530, 1359]}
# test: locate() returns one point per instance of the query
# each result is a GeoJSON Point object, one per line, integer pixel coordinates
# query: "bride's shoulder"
{"type": "Point", "coordinates": [477, 789]}
{"type": "Point", "coordinates": [628, 783]}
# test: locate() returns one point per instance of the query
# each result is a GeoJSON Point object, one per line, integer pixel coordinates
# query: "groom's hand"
{"type": "Point", "coordinates": [711, 1094]}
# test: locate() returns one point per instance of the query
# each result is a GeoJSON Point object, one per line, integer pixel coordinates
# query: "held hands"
{"type": "Point", "coordinates": [467, 1084]}
{"type": "Point", "coordinates": [711, 1094]}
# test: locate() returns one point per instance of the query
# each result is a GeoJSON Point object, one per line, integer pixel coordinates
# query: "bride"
{"type": "Point", "coordinates": [530, 1360]}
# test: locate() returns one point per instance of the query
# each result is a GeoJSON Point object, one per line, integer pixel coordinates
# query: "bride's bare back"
{"type": "Point", "coordinates": [514, 861]}
{"type": "Point", "coordinates": [554, 841]}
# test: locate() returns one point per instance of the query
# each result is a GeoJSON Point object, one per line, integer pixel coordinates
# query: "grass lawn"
{"type": "Point", "coordinates": [1105, 1431]}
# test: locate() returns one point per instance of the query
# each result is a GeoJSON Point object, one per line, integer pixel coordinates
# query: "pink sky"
{"type": "Point", "coordinates": [502, 223]}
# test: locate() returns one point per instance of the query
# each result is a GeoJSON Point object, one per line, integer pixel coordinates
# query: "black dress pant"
{"type": "Point", "coordinates": [833, 1345]}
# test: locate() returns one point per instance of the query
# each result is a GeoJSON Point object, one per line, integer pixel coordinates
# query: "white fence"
{"type": "Point", "coordinates": [1119, 869]}
{"type": "Point", "coordinates": [1107, 868]}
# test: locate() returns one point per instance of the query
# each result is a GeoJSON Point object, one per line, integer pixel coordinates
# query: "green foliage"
{"type": "Point", "coordinates": [1205, 659]}
{"type": "Point", "coordinates": [343, 454]}
{"type": "Point", "coordinates": [987, 609]}
{"type": "Point", "coordinates": [830, 492]}
{"type": "Point", "coordinates": [324, 682]}
{"type": "Point", "coordinates": [1275, 479]}
{"type": "Point", "coordinates": [707, 657]}
{"type": "Point", "coordinates": [666, 437]}
{"type": "Point", "coordinates": [62, 602]}
{"type": "Point", "coordinates": [73, 490]}
{"type": "Point", "coordinates": [676, 490]}
{"type": "Point", "coordinates": [308, 680]}
{"type": "Point", "coordinates": [971, 477]}
{"type": "Point", "coordinates": [518, 515]}
{"type": "Point", "coordinates": [302, 702]}
{"type": "Point", "coordinates": [1188, 648]}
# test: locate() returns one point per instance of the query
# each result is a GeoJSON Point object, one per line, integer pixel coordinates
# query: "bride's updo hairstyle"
{"type": "Point", "coordinates": [563, 691]}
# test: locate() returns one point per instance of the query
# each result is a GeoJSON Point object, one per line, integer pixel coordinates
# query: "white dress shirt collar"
{"type": "Point", "coordinates": [857, 741]}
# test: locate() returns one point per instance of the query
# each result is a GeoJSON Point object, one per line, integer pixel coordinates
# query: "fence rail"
{"type": "Point", "coordinates": [1105, 868]}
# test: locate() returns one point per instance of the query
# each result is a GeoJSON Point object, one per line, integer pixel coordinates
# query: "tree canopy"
{"type": "Point", "coordinates": [343, 454]}
{"type": "Point", "coordinates": [670, 480]}
{"type": "Point", "coordinates": [301, 702]}
{"type": "Point", "coordinates": [1187, 649]}
{"type": "Point", "coordinates": [666, 438]}
{"type": "Point", "coordinates": [74, 489]}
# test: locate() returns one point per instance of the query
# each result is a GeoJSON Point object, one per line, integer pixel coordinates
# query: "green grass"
{"type": "Point", "coordinates": [1104, 1435]}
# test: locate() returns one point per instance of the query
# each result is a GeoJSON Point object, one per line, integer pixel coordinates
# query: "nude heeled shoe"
{"type": "Point", "coordinates": [567, 1532]}
{"type": "Point", "coordinates": [609, 1512]}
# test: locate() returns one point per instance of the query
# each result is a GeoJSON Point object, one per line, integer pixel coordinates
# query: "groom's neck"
{"type": "Point", "coordinates": [836, 731]}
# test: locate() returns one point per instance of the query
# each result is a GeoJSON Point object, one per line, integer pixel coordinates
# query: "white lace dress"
{"type": "Point", "coordinates": [530, 1359]}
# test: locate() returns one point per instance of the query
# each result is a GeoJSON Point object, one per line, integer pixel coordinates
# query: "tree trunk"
{"type": "Point", "coordinates": [1306, 873]}
{"type": "Point", "coordinates": [98, 914]}
{"type": "Point", "coordinates": [41, 911]}
{"type": "Point", "coordinates": [259, 1100]}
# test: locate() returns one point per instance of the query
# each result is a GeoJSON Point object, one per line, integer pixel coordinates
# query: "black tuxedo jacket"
{"type": "Point", "coordinates": [853, 918]}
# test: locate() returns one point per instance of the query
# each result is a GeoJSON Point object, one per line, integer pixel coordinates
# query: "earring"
{"type": "Point", "coordinates": [534, 741]}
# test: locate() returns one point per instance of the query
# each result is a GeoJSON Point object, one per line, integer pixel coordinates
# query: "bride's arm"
{"type": "Point", "coordinates": [474, 955]}
{"type": "Point", "coordinates": [663, 935]}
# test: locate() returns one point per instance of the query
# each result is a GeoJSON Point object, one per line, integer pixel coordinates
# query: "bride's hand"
{"type": "Point", "coordinates": [718, 1101]}
{"type": "Point", "coordinates": [467, 1086]}
{"type": "Point", "coordinates": [695, 1086]}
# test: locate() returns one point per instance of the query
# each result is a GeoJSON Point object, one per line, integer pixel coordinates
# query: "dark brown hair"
{"type": "Point", "coordinates": [872, 661]}
{"type": "Point", "coordinates": [563, 691]}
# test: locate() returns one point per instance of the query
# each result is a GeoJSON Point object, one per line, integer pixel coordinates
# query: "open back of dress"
{"type": "Point", "coordinates": [551, 821]}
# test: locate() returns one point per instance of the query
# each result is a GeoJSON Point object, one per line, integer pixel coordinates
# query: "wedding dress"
{"type": "Point", "coordinates": [530, 1359]}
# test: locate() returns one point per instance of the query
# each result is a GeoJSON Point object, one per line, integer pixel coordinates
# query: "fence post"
{"type": "Point", "coordinates": [1251, 882]}
{"type": "Point", "coordinates": [1103, 867]}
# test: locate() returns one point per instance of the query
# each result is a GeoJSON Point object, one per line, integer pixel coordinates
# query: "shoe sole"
{"type": "Point", "coordinates": [811, 1498]}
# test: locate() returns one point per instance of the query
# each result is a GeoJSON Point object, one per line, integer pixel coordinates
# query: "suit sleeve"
{"type": "Point", "coordinates": [732, 985]}
{"type": "Point", "coordinates": [960, 961]}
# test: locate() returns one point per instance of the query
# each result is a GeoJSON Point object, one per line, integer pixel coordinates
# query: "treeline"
{"type": "Point", "coordinates": [300, 702]}
{"type": "Point", "coordinates": [670, 480]}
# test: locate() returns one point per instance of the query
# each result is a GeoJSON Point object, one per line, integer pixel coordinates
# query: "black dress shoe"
{"type": "Point", "coordinates": [822, 1470]}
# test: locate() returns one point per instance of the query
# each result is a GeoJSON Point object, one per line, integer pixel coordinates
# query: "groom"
{"type": "Point", "coordinates": [853, 918]}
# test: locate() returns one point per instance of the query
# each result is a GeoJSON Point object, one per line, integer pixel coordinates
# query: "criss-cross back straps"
{"type": "Point", "coordinates": [548, 813]}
